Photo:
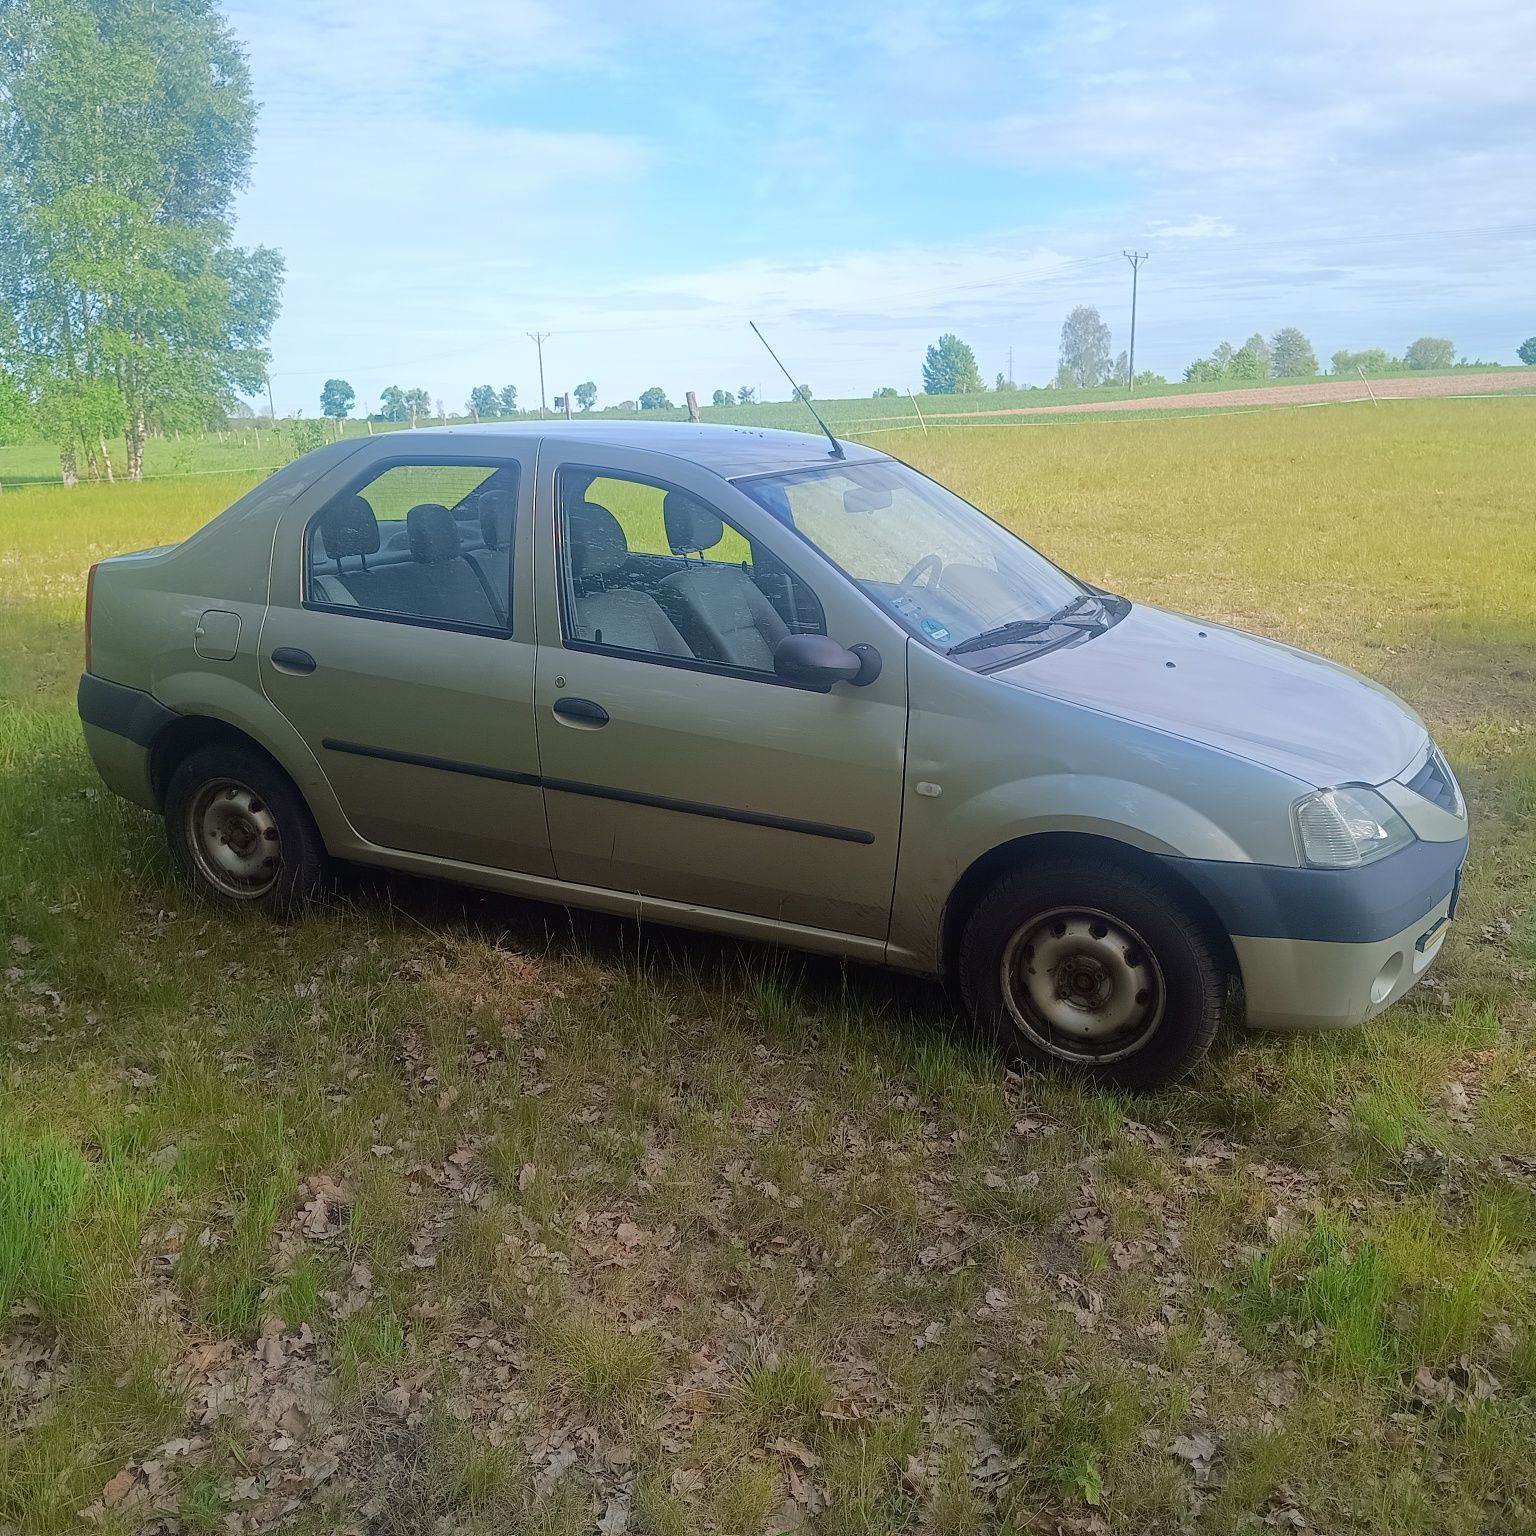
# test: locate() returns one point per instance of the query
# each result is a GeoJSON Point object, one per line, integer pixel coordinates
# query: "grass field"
{"type": "Point", "coordinates": [441, 1212]}
{"type": "Point", "coordinates": [256, 449]}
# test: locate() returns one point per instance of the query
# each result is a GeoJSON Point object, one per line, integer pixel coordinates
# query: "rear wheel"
{"type": "Point", "coordinates": [1087, 968]}
{"type": "Point", "coordinates": [240, 831]}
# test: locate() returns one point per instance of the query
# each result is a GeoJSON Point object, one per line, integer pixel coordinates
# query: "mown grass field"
{"type": "Point", "coordinates": [440, 1212]}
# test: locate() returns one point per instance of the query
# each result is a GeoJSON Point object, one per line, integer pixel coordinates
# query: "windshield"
{"type": "Point", "coordinates": [946, 571]}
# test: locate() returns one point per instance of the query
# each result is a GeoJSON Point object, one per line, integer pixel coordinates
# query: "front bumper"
{"type": "Point", "coordinates": [1312, 984]}
{"type": "Point", "coordinates": [1328, 949]}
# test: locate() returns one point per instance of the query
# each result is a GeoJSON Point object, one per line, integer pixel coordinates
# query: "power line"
{"type": "Point", "coordinates": [1135, 258]}
{"type": "Point", "coordinates": [538, 338]}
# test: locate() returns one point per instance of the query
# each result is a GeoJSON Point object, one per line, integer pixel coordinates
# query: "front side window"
{"type": "Point", "coordinates": [650, 569]}
{"type": "Point", "coordinates": [429, 543]}
{"type": "Point", "coordinates": [944, 570]}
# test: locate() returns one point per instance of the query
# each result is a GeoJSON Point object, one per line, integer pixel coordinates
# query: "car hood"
{"type": "Point", "coordinates": [1318, 721]}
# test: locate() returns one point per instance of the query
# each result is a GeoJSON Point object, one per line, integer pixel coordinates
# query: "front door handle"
{"type": "Point", "coordinates": [289, 658]}
{"type": "Point", "coordinates": [581, 712]}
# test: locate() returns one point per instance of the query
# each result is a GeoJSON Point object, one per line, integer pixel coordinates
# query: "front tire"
{"type": "Point", "coordinates": [1085, 967]}
{"type": "Point", "coordinates": [239, 830]}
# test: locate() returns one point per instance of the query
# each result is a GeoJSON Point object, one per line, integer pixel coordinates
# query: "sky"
{"type": "Point", "coordinates": [640, 181]}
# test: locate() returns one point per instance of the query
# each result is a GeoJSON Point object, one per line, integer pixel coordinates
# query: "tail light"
{"type": "Point", "coordinates": [90, 600]}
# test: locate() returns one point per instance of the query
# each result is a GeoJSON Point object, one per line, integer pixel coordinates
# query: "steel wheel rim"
{"type": "Point", "coordinates": [1082, 986]}
{"type": "Point", "coordinates": [234, 839]}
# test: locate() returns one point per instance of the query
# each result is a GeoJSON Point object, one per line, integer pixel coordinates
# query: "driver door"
{"type": "Point", "coordinates": [674, 769]}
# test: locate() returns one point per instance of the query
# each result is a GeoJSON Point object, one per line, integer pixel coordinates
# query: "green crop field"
{"type": "Point", "coordinates": [436, 1211]}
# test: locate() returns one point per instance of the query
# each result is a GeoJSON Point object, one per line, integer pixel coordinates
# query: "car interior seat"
{"type": "Point", "coordinates": [604, 610]}
{"type": "Point", "coordinates": [719, 609]}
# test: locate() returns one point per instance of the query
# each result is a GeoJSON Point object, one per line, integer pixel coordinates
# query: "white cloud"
{"type": "Point", "coordinates": [1357, 169]}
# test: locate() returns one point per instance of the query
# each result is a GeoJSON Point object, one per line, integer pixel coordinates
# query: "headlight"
{"type": "Point", "coordinates": [1342, 828]}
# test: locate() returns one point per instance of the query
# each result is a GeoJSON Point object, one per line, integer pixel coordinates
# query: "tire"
{"type": "Point", "coordinates": [239, 830]}
{"type": "Point", "coordinates": [1083, 967]}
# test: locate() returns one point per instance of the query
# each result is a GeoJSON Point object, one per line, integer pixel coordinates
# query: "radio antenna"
{"type": "Point", "coordinates": [837, 447]}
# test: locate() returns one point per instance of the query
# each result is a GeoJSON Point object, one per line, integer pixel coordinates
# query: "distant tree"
{"type": "Point", "coordinates": [746, 395]}
{"type": "Point", "coordinates": [418, 403]}
{"type": "Point", "coordinates": [336, 398]}
{"type": "Point", "coordinates": [805, 389]}
{"type": "Point", "coordinates": [1258, 349]}
{"type": "Point", "coordinates": [627, 405]}
{"type": "Point", "coordinates": [1085, 342]}
{"type": "Point", "coordinates": [1146, 380]}
{"type": "Point", "coordinates": [723, 397]}
{"type": "Point", "coordinates": [483, 403]}
{"type": "Point", "coordinates": [1291, 355]}
{"type": "Point", "coordinates": [1120, 373]}
{"type": "Point", "coordinates": [655, 399]}
{"type": "Point", "coordinates": [506, 400]}
{"type": "Point", "coordinates": [586, 395]}
{"type": "Point", "coordinates": [393, 405]}
{"type": "Point", "coordinates": [1249, 364]}
{"type": "Point", "coordinates": [1220, 365]}
{"type": "Point", "coordinates": [1372, 360]}
{"type": "Point", "coordinates": [1526, 351]}
{"type": "Point", "coordinates": [949, 368]}
{"type": "Point", "coordinates": [1430, 353]}
{"type": "Point", "coordinates": [885, 392]}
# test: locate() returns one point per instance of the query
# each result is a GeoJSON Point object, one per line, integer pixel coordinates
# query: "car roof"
{"type": "Point", "coordinates": [727, 451]}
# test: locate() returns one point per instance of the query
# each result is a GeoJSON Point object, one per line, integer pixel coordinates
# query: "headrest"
{"type": "Point", "coordinates": [349, 528]}
{"type": "Point", "coordinates": [433, 534]}
{"type": "Point", "coordinates": [496, 519]}
{"type": "Point", "coordinates": [598, 545]}
{"type": "Point", "coordinates": [691, 526]}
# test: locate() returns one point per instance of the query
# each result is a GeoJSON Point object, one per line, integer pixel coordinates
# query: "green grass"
{"type": "Point", "coordinates": [257, 448]}
{"type": "Point", "coordinates": [672, 1227]}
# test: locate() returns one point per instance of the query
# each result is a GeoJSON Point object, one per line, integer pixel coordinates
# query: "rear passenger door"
{"type": "Point", "coordinates": [399, 643]}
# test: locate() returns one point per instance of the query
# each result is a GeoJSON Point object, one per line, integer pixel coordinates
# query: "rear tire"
{"type": "Point", "coordinates": [1083, 967]}
{"type": "Point", "coordinates": [239, 830]}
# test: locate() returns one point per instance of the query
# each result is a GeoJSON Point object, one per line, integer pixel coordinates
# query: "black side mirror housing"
{"type": "Point", "coordinates": [819, 661]}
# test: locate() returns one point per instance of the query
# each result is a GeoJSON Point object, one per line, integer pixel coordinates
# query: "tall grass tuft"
{"type": "Point", "coordinates": [42, 1186]}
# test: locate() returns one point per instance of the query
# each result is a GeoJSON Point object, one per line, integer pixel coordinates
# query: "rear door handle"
{"type": "Point", "coordinates": [581, 712]}
{"type": "Point", "coordinates": [289, 658]}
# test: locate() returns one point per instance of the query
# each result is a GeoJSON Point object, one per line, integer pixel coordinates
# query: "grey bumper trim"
{"type": "Point", "coordinates": [1339, 906]}
{"type": "Point", "coordinates": [126, 712]}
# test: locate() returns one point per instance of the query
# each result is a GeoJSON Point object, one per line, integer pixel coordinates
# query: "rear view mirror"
{"type": "Point", "coordinates": [866, 498]}
{"type": "Point", "coordinates": [820, 661]}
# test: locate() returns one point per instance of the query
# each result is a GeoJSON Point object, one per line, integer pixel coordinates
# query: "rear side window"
{"type": "Point", "coordinates": [419, 542]}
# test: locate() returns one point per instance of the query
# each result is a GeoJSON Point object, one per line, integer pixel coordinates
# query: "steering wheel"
{"type": "Point", "coordinates": [928, 565]}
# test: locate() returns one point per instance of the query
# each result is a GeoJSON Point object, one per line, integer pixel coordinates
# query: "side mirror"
{"type": "Point", "coordinates": [821, 661]}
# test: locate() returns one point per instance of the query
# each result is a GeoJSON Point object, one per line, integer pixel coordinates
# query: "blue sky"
{"type": "Point", "coordinates": [639, 181]}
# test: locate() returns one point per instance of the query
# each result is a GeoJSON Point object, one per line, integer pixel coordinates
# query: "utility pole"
{"type": "Point", "coordinates": [538, 338]}
{"type": "Point", "coordinates": [271, 409]}
{"type": "Point", "coordinates": [1135, 258]}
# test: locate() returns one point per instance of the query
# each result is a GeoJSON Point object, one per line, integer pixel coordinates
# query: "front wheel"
{"type": "Point", "coordinates": [1089, 968]}
{"type": "Point", "coordinates": [239, 829]}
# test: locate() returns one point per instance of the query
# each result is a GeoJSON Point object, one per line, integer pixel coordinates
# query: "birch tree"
{"type": "Point", "coordinates": [125, 133]}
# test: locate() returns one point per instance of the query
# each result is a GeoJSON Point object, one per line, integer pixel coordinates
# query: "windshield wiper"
{"type": "Point", "coordinates": [1069, 617]}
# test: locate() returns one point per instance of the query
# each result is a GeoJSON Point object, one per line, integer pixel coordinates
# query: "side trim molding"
{"type": "Point", "coordinates": [421, 760]}
{"type": "Point", "coordinates": [716, 812]}
{"type": "Point", "coordinates": [606, 792]}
